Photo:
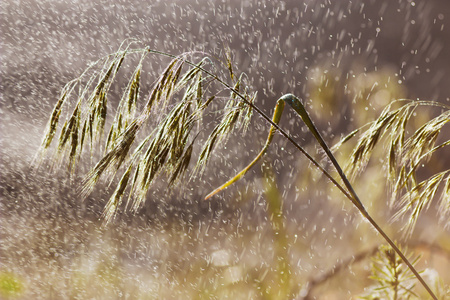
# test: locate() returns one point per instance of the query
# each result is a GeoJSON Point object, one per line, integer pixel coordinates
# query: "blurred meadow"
{"type": "Point", "coordinates": [283, 231]}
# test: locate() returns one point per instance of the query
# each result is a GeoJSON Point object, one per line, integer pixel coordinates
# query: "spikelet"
{"type": "Point", "coordinates": [418, 199]}
{"type": "Point", "coordinates": [53, 122]}
{"type": "Point", "coordinates": [363, 150]}
{"type": "Point", "coordinates": [115, 201]}
{"type": "Point", "coordinates": [423, 140]}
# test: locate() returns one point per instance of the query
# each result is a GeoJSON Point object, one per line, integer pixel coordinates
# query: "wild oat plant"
{"type": "Point", "coordinates": [155, 136]}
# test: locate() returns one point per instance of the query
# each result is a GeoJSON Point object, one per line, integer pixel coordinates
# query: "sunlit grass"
{"type": "Point", "coordinates": [177, 101]}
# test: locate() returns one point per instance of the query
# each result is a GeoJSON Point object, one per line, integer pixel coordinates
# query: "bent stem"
{"type": "Point", "coordinates": [274, 126]}
{"type": "Point", "coordinates": [276, 119]}
{"type": "Point", "coordinates": [300, 109]}
{"type": "Point", "coordinates": [350, 193]}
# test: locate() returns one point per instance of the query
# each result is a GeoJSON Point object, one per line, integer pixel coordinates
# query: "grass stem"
{"type": "Point", "coordinates": [300, 109]}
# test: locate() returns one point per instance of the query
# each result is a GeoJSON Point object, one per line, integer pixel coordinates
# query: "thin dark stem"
{"type": "Point", "coordinates": [313, 283]}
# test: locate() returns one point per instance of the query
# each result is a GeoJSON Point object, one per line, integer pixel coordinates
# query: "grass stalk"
{"type": "Point", "coordinates": [349, 192]}
{"type": "Point", "coordinates": [164, 149]}
{"type": "Point", "coordinates": [300, 109]}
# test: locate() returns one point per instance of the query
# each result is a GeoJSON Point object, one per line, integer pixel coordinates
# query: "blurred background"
{"type": "Point", "coordinates": [296, 237]}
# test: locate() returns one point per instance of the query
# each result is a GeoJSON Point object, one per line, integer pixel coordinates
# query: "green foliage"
{"type": "Point", "coordinates": [11, 286]}
{"type": "Point", "coordinates": [394, 280]}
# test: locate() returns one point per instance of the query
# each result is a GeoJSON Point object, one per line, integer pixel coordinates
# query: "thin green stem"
{"type": "Point", "coordinates": [276, 119]}
{"type": "Point", "coordinates": [295, 103]}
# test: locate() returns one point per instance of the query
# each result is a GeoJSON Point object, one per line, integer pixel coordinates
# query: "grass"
{"type": "Point", "coordinates": [184, 93]}
{"type": "Point", "coordinates": [405, 155]}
